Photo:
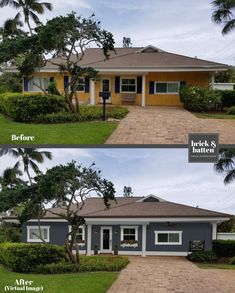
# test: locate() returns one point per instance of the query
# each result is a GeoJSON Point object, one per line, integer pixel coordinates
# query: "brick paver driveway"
{"type": "Point", "coordinates": [167, 125]}
{"type": "Point", "coordinates": [171, 274]}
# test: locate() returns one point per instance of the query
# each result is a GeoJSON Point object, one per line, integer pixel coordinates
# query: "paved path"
{"type": "Point", "coordinates": [167, 125]}
{"type": "Point", "coordinates": [171, 274]}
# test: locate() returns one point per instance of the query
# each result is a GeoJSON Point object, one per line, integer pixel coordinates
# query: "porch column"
{"type": "Point", "coordinates": [92, 97]}
{"type": "Point", "coordinates": [144, 227]}
{"type": "Point", "coordinates": [214, 231]}
{"type": "Point", "coordinates": [143, 90]}
{"type": "Point", "coordinates": [89, 239]}
{"type": "Point", "coordinates": [213, 82]}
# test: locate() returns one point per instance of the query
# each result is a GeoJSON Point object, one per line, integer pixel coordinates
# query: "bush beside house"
{"type": "Point", "coordinates": [224, 248]}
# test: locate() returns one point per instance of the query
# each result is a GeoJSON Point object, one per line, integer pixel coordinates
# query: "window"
{"type": "Point", "coordinates": [167, 87]}
{"type": "Point", "coordinates": [128, 85]}
{"type": "Point", "coordinates": [168, 237]}
{"type": "Point", "coordinates": [105, 86]}
{"type": "Point", "coordinates": [33, 233]}
{"type": "Point", "coordinates": [38, 84]}
{"type": "Point", "coordinates": [80, 236]}
{"type": "Point", "coordinates": [129, 234]}
{"type": "Point", "coordinates": [81, 84]}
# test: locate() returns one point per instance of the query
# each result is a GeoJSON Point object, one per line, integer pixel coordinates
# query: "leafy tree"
{"type": "Point", "coordinates": [224, 14]}
{"type": "Point", "coordinates": [225, 76]}
{"type": "Point", "coordinates": [10, 82]}
{"type": "Point", "coordinates": [27, 157]}
{"type": "Point", "coordinates": [29, 9]}
{"type": "Point", "coordinates": [226, 227]}
{"type": "Point", "coordinates": [65, 187]}
{"type": "Point", "coordinates": [10, 233]}
{"type": "Point", "coordinates": [226, 165]}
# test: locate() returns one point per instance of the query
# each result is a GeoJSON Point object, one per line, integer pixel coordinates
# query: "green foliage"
{"type": "Point", "coordinates": [202, 256]}
{"type": "Point", "coordinates": [87, 264]}
{"type": "Point", "coordinates": [10, 233]}
{"type": "Point", "coordinates": [24, 258]}
{"type": "Point", "coordinates": [224, 248]}
{"type": "Point", "coordinates": [198, 99]}
{"type": "Point", "coordinates": [52, 89]}
{"type": "Point", "coordinates": [25, 107]}
{"type": "Point", "coordinates": [227, 98]}
{"type": "Point", "coordinates": [10, 82]}
{"type": "Point", "coordinates": [226, 227]}
{"type": "Point", "coordinates": [232, 261]}
{"type": "Point", "coordinates": [225, 164]}
{"type": "Point", "coordinates": [225, 76]}
{"type": "Point", "coordinates": [231, 110]}
{"type": "Point", "coordinates": [87, 113]}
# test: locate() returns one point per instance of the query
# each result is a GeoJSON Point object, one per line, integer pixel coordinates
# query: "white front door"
{"type": "Point", "coordinates": [106, 87]}
{"type": "Point", "coordinates": [106, 239]}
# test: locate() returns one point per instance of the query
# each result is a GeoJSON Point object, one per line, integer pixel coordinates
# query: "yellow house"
{"type": "Point", "coordinates": [139, 76]}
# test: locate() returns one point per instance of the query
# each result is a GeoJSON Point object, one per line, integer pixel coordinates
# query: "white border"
{"type": "Point", "coordinates": [102, 250]}
{"type": "Point", "coordinates": [168, 232]}
{"type": "Point", "coordinates": [38, 240]}
{"type": "Point", "coordinates": [83, 235]}
{"type": "Point", "coordinates": [136, 235]}
{"type": "Point", "coordinates": [129, 77]}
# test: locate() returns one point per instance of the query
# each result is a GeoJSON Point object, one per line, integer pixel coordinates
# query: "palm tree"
{"type": "Point", "coordinates": [226, 164]}
{"type": "Point", "coordinates": [11, 28]}
{"type": "Point", "coordinates": [29, 9]}
{"type": "Point", "coordinates": [224, 14]}
{"type": "Point", "coordinates": [10, 177]}
{"type": "Point", "coordinates": [27, 156]}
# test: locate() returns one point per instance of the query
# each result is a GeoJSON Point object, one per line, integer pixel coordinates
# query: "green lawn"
{"type": "Point", "coordinates": [214, 116]}
{"type": "Point", "coordinates": [216, 266]}
{"type": "Point", "coordinates": [68, 133]}
{"type": "Point", "coordinates": [66, 283]}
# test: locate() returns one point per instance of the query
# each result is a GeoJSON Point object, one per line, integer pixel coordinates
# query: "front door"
{"type": "Point", "coordinates": [106, 87]}
{"type": "Point", "coordinates": [106, 239]}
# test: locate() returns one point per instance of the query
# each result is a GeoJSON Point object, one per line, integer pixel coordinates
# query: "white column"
{"type": "Point", "coordinates": [92, 97]}
{"type": "Point", "coordinates": [143, 90]}
{"type": "Point", "coordinates": [144, 227]}
{"type": "Point", "coordinates": [214, 231]}
{"type": "Point", "coordinates": [213, 82]}
{"type": "Point", "coordinates": [89, 239]}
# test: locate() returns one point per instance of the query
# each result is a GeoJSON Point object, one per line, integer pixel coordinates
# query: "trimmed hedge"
{"type": "Point", "coordinates": [87, 264]}
{"type": "Point", "coordinates": [202, 256]}
{"type": "Point", "coordinates": [228, 98]}
{"type": "Point", "coordinates": [87, 113]}
{"type": "Point", "coordinates": [198, 99]}
{"type": "Point", "coordinates": [24, 258]}
{"type": "Point", "coordinates": [26, 107]}
{"type": "Point", "coordinates": [224, 248]}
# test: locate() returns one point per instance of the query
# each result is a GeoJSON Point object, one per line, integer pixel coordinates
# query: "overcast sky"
{"type": "Point", "coordinates": [162, 172]}
{"type": "Point", "coordinates": [178, 26]}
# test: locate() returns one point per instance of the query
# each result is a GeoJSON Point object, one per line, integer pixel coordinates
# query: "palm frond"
{"type": "Point", "coordinates": [229, 177]}
{"type": "Point", "coordinates": [34, 166]}
{"type": "Point", "coordinates": [34, 17]}
{"type": "Point", "coordinates": [8, 151]}
{"type": "Point", "coordinates": [228, 27]}
{"type": "Point", "coordinates": [48, 5]}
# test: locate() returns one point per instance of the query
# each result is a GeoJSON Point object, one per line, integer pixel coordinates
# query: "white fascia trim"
{"type": "Point", "coordinates": [14, 221]}
{"type": "Point", "coordinates": [49, 220]}
{"type": "Point", "coordinates": [147, 70]}
{"type": "Point", "coordinates": [38, 240]}
{"type": "Point", "coordinates": [140, 221]}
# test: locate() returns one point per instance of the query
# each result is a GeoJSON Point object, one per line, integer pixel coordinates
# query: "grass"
{"type": "Point", "coordinates": [216, 266]}
{"type": "Point", "coordinates": [67, 133]}
{"type": "Point", "coordinates": [66, 283]}
{"type": "Point", "coordinates": [214, 116]}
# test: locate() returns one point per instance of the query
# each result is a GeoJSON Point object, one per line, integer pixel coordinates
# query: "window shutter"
{"type": "Point", "coordinates": [51, 79]}
{"type": "Point", "coordinates": [139, 85]}
{"type": "Point", "coordinates": [87, 85]}
{"type": "Point", "coordinates": [182, 84]}
{"type": "Point", "coordinates": [26, 85]}
{"type": "Point", "coordinates": [66, 82]}
{"type": "Point", "coordinates": [151, 87]}
{"type": "Point", "coordinates": [117, 84]}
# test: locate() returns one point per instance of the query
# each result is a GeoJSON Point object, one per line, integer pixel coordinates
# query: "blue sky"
{"type": "Point", "coordinates": [163, 172]}
{"type": "Point", "coordinates": [178, 26]}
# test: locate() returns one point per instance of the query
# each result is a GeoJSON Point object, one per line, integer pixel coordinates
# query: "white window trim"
{"type": "Point", "coordinates": [167, 93]}
{"type": "Point", "coordinates": [136, 235]}
{"type": "Point", "coordinates": [38, 240]}
{"type": "Point", "coordinates": [83, 234]}
{"type": "Point", "coordinates": [168, 232]}
{"type": "Point", "coordinates": [101, 83]}
{"type": "Point", "coordinates": [128, 77]}
{"type": "Point", "coordinates": [83, 78]}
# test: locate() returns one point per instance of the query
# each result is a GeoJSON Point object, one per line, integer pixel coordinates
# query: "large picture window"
{"type": "Point", "coordinates": [33, 234]}
{"type": "Point", "coordinates": [39, 84]}
{"type": "Point", "coordinates": [168, 237]}
{"type": "Point", "coordinates": [167, 87]}
{"type": "Point", "coordinates": [128, 85]}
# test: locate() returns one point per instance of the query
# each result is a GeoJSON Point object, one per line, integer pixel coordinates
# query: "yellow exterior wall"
{"type": "Point", "coordinates": [191, 78]}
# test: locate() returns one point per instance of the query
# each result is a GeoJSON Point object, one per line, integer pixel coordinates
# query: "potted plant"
{"type": "Point", "coordinates": [96, 250]}
{"type": "Point", "coordinates": [115, 250]}
{"type": "Point", "coordinates": [131, 243]}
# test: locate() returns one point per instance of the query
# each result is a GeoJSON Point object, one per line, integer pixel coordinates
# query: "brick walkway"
{"type": "Point", "coordinates": [167, 125]}
{"type": "Point", "coordinates": [171, 274]}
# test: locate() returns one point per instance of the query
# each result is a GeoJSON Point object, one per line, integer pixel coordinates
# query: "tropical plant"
{"type": "Point", "coordinates": [29, 10]}
{"type": "Point", "coordinates": [224, 14]}
{"type": "Point", "coordinates": [10, 177]}
{"type": "Point", "coordinates": [226, 165]}
{"type": "Point", "coordinates": [11, 28]}
{"type": "Point", "coordinates": [27, 157]}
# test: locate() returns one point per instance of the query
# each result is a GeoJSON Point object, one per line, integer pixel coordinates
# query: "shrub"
{"type": "Point", "coordinates": [231, 110]}
{"type": "Point", "coordinates": [224, 248]}
{"type": "Point", "coordinates": [198, 99]}
{"type": "Point", "coordinates": [87, 113]}
{"type": "Point", "coordinates": [232, 261]}
{"type": "Point", "coordinates": [23, 258]}
{"type": "Point", "coordinates": [26, 107]}
{"type": "Point", "coordinates": [228, 98]}
{"type": "Point", "coordinates": [87, 264]}
{"type": "Point", "coordinates": [202, 256]}
{"type": "Point", "coordinates": [10, 233]}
